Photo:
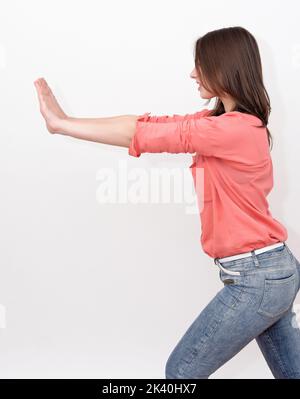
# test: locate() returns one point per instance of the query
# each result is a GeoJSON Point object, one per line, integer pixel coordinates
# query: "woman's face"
{"type": "Point", "coordinates": [203, 92]}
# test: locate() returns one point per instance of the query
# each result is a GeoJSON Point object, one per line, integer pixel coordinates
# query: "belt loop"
{"type": "Point", "coordinates": [254, 257]}
{"type": "Point", "coordinates": [288, 249]}
{"type": "Point", "coordinates": [216, 261]}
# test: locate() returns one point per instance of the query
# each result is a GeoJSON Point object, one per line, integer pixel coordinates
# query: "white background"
{"type": "Point", "coordinates": [90, 290]}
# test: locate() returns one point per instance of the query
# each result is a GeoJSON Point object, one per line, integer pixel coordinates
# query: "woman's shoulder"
{"type": "Point", "coordinates": [231, 118]}
{"type": "Point", "coordinates": [236, 114]}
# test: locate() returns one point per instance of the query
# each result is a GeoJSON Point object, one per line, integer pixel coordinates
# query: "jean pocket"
{"type": "Point", "coordinates": [232, 277]}
{"type": "Point", "coordinates": [231, 272]}
{"type": "Point", "coordinates": [278, 295]}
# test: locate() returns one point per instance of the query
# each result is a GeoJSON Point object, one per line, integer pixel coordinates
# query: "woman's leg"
{"type": "Point", "coordinates": [280, 345]}
{"type": "Point", "coordinates": [242, 310]}
{"type": "Point", "coordinates": [219, 332]}
{"type": "Point", "coordinates": [215, 336]}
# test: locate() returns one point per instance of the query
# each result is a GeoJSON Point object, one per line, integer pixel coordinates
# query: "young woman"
{"type": "Point", "coordinates": [231, 143]}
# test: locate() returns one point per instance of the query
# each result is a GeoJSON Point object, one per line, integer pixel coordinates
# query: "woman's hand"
{"type": "Point", "coordinates": [49, 107]}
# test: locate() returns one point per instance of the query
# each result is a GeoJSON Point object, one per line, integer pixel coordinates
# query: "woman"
{"type": "Point", "coordinates": [231, 143]}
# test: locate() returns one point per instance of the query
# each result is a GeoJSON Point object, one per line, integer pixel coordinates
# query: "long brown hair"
{"type": "Point", "coordinates": [228, 61]}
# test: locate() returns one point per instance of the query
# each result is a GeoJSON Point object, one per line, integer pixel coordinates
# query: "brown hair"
{"type": "Point", "coordinates": [227, 61]}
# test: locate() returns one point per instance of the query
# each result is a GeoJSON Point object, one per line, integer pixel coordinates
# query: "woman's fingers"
{"type": "Point", "coordinates": [42, 85]}
{"type": "Point", "coordinates": [49, 106]}
{"type": "Point", "coordinates": [37, 84]}
{"type": "Point", "coordinates": [45, 87]}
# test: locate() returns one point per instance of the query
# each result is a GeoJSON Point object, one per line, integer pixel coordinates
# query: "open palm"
{"type": "Point", "coordinates": [49, 107]}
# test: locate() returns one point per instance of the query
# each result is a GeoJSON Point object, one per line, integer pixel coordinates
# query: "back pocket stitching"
{"type": "Point", "coordinates": [268, 285]}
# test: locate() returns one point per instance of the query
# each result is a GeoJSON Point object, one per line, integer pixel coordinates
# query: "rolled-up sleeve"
{"type": "Point", "coordinates": [225, 135]}
{"type": "Point", "coordinates": [138, 139]}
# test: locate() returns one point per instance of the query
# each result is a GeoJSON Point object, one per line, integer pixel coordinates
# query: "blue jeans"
{"type": "Point", "coordinates": [255, 303]}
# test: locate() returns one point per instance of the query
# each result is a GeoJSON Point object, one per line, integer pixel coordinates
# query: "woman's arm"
{"type": "Point", "coordinates": [116, 130]}
{"type": "Point", "coordinates": [224, 136]}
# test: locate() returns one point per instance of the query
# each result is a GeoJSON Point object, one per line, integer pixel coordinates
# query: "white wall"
{"type": "Point", "coordinates": [91, 290]}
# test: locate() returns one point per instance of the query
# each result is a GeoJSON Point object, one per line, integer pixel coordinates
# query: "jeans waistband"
{"type": "Point", "coordinates": [246, 254]}
{"type": "Point", "coordinates": [256, 251]}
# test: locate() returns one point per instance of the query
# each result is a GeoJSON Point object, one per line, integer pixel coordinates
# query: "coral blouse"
{"type": "Point", "coordinates": [238, 174]}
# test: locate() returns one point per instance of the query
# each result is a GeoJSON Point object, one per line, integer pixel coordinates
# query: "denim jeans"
{"type": "Point", "coordinates": [255, 303]}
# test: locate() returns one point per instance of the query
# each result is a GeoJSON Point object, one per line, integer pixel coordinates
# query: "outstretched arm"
{"type": "Point", "coordinates": [224, 136]}
{"type": "Point", "coordinates": [116, 130]}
